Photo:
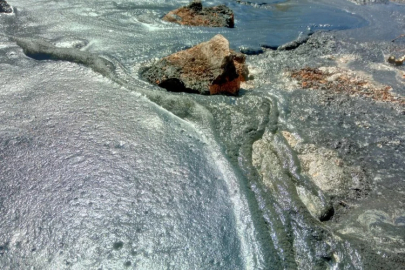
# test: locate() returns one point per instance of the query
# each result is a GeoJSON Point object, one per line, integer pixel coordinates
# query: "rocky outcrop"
{"type": "Point", "coordinates": [197, 15]}
{"type": "Point", "coordinates": [5, 7]}
{"type": "Point", "coordinates": [327, 170]}
{"type": "Point", "coordinates": [278, 181]}
{"type": "Point", "coordinates": [207, 68]}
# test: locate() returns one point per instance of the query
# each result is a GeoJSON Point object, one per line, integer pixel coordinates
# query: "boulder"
{"type": "Point", "coordinates": [197, 15]}
{"type": "Point", "coordinates": [207, 68]}
{"type": "Point", "coordinates": [279, 182]}
{"type": "Point", "coordinates": [5, 7]}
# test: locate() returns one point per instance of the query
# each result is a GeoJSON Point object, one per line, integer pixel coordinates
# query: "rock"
{"type": "Point", "coordinates": [196, 15]}
{"type": "Point", "coordinates": [278, 181]}
{"type": "Point", "coordinates": [241, 68]}
{"type": "Point", "coordinates": [325, 169]}
{"type": "Point", "coordinates": [396, 61]}
{"type": "Point", "coordinates": [349, 82]}
{"type": "Point", "coordinates": [295, 43]}
{"type": "Point", "coordinates": [5, 7]}
{"type": "Point", "coordinates": [316, 207]}
{"type": "Point", "coordinates": [207, 68]}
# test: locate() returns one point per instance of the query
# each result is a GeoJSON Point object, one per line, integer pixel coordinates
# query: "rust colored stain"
{"type": "Point", "coordinates": [229, 87]}
{"type": "Point", "coordinates": [313, 78]}
{"type": "Point", "coordinates": [192, 17]}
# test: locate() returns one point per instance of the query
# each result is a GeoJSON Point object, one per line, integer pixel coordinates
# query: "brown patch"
{"type": "Point", "coordinates": [194, 63]}
{"type": "Point", "coordinates": [229, 87]}
{"type": "Point", "coordinates": [196, 15]}
{"type": "Point", "coordinates": [314, 78]}
{"type": "Point", "coordinates": [207, 68]}
{"type": "Point", "coordinates": [241, 68]}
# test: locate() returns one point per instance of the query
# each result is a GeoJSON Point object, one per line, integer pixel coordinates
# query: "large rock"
{"type": "Point", "coordinates": [5, 7]}
{"type": "Point", "coordinates": [327, 170]}
{"type": "Point", "coordinates": [196, 15]}
{"type": "Point", "coordinates": [207, 68]}
{"type": "Point", "coordinates": [278, 181]}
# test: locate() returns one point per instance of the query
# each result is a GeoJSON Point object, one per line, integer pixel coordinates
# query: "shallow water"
{"type": "Point", "coordinates": [85, 169]}
{"type": "Point", "coordinates": [94, 175]}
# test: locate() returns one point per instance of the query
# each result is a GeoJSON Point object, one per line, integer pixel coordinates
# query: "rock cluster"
{"type": "Point", "coordinates": [396, 61]}
{"type": "Point", "coordinates": [5, 7]}
{"type": "Point", "coordinates": [207, 68]}
{"type": "Point", "coordinates": [197, 15]}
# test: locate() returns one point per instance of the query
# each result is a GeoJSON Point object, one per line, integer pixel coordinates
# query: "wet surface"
{"type": "Point", "coordinates": [95, 178]}
{"type": "Point", "coordinates": [108, 172]}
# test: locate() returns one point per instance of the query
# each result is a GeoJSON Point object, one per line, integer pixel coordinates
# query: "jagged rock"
{"type": "Point", "coordinates": [197, 15]}
{"type": "Point", "coordinates": [5, 7]}
{"type": "Point", "coordinates": [207, 68]}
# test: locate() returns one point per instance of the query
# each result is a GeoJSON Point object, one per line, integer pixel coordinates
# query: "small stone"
{"type": "Point", "coordinates": [197, 15]}
{"type": "Point", "coordinates": [391, 59]}
{"type": "Point", "coordinates": [118, 245]}
{"type": "Point", "coordinates": [396, 61]}
{"type": "Point", "coordinates": [399, 62]}
{"type": "Point", "coordinates": [207, 68]}
{"type": "Point", "coordinates": [5, 7]}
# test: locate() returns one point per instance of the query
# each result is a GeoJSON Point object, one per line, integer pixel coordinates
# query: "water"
{"type": "Point", "coordinates": [108, 172]}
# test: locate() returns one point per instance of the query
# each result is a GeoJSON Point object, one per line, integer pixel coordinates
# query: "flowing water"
{"type": "Point", "coordinates": [100, 170]}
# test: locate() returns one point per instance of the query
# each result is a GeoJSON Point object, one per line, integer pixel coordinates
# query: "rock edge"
{"type": "Point", "coordinates": [207, 68]}
{"type": "Point", "coordinates": [197, 15]}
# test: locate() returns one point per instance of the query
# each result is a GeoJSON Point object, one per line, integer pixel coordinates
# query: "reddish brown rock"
{"type": "Point", "coordinates": [207, 68]}
{"type": "Point", "coordinates": [241, 67]}
{"type": "Point", "coordinates": [345, 82]}
{"type": "Point", "coordinates": [197, 15]}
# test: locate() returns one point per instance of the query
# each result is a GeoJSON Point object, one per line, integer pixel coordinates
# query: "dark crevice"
{"type": "Point", "coordinates": [328, 215]}
{"type": "Point", "coordinates": [271, 47]}
{"type": "Point", "coordinates": [40, 56]}
{"type": "Point", "coordinates": [175, 85]}
{"type": "Point", "coordinates": [251, 51]}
